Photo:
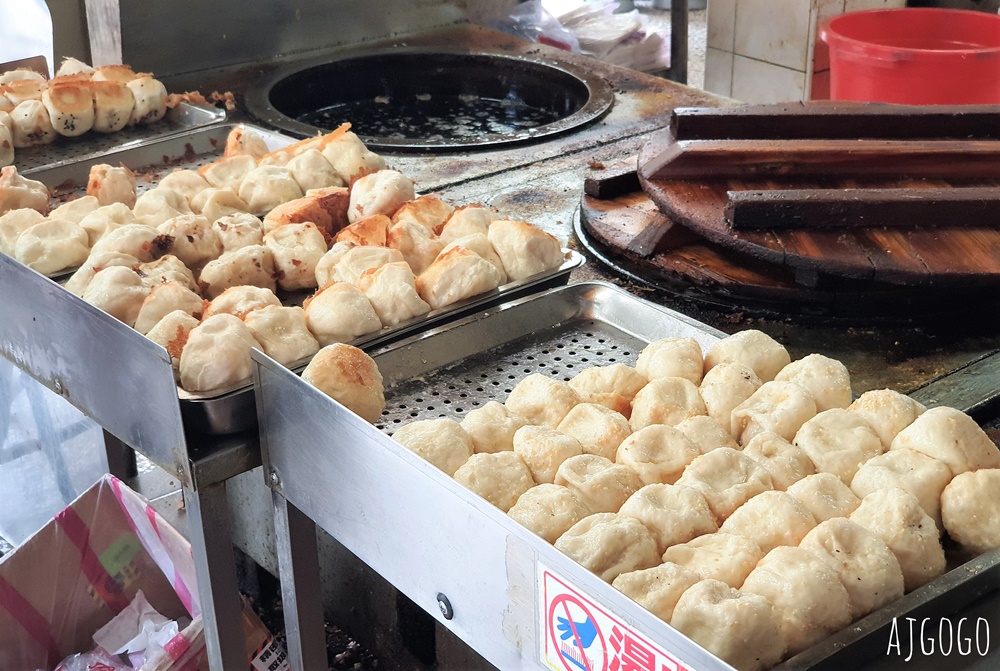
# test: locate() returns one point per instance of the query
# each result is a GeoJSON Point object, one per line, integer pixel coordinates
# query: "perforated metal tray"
{"type": "Point", "coordinates": [184, 117]}
{"type": "Point", "coordinates": [458, 367]}
{"type": "Point", "coordinates": [443, 539]}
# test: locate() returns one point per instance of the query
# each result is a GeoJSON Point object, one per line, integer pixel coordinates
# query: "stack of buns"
{"type": "Point", "coordinates": [35, 110]}
{"type": "Point", "coordinates": [191, 264]}
{"type": "Point", "coordinates": [743, 498]}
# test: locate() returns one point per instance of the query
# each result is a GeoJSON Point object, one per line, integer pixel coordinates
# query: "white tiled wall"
{"type": "Point", "coordinates": [765, 51]}
{"type": "Point", "coordinates": [762, 82]}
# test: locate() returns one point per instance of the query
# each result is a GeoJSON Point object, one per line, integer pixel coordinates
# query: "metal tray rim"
{"type": "Point", "coordinates": [216, 116]}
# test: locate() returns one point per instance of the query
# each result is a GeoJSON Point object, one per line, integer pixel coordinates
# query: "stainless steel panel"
{"type": "Point", "coordinates": [110, 372]}
{"type": "Point", "coordinates": [190, 35]}
{"type": "Point", "coordinates": [418, 528]}
{"type": "Point", "coordinates": [424, 532]}
{"type": "Point", "coordinates": [69, 30]}
{"type": "Point", "coordinates": [106, 38]}
{"type": "Point", "coordinates": [184, 117]}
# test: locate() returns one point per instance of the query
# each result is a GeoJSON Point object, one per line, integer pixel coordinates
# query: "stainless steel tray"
{"type": "Point", "coordinates": [93, 145]}
{"type": "Point", "coordinates": [429, 536]}
{"type": "Point", "coordinates": [231, 410]}
{"type": "Point", "coordinates": [151, 157]}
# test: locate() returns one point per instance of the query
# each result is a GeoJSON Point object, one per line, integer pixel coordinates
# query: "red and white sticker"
{"type": "Point", "coordinates": [579, 635]}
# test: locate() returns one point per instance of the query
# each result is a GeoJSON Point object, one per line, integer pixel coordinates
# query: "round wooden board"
{"type": "Point", "coordinates": [909, 256]}
{"type": "Point", "coordinates": [686, 264]}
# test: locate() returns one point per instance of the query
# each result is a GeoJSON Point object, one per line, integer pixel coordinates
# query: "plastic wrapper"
{"type": "Point", "coordinates": [531, 21]}
{"type": "Point", "coordinates": [90, 661]}
{"type": "Point", "coordinates": [86, 566]}
{"type": "Point", "coordinates": [602, 31]}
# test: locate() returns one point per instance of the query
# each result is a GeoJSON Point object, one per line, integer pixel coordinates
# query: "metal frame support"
{"type": "Point", "coordinates": [678, 41]}
{"type": "Point", "coordinates": [208, 519]}
{"type": "Point", "coordinates": [298, 566]}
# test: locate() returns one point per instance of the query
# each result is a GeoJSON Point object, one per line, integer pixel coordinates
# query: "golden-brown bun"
{"type": "Point", "coordinates": [32, 124]}
{"type": "Point", "coordinates": [20, 74]}
{"type": "Point", "coordinates": [71, 108]}
{"type": "Point", "coordinates": [370, 231]}
{"type": "Point", "coordinates": [25, 89]}
{"type": "Point", "coordinates": [150, 100]}
{"type": "Point", "coordinates": [350, 377]}
{"type": "Point", "coordinates": [72, 66]}
{"type": "Point", "coordinates": [114, 73]}
{"type": "Point", "coordinates": [113, 103]}
{"type": "Point", "coordinates": [327, 208]}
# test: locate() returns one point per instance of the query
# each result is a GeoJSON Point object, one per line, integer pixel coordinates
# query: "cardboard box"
{"type": "Point", "coordinates": [85, 566]}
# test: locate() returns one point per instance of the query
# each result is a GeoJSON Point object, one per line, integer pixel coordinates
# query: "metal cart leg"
{"type": "Point", "coordinates": [298, 569]}
{"type": "Point", "coordinates": [121, 457]}
{"type": "Point", "coordinates": [215, 567]}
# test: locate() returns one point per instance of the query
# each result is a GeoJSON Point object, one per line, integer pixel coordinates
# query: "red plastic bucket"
{"type": "Point", "coordinates": [914, 56]}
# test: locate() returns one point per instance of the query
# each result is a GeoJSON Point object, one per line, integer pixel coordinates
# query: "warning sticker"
{"type": "Point", "coordinates": [270, 657]}
{"type": "Point", "coordinates": [579, 635]}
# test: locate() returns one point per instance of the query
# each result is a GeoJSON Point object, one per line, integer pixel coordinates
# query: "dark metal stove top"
{"type": "Point", "coordinates": [433, 99]}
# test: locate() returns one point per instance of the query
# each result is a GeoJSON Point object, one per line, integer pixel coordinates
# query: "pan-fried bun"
{"type": "Point", "coordinates": [609, 545]}
{"type": "Point", "coordinates": [755, 349]}
{"type": "Point", "coordinates": [826, 379]}
{"type": "Point", "coordinates": [656, 589]}
{"type": "Point", "coordinates": [443, 442]}
{"type": "Point", "coordinates": [600, 483]}
{"type": "Point", "coordinates": [543, 449]}
{"type": "Point", "coordinates": [867, 568]}
{"type": "Point", "coordinates": [895, 516]}
{"type": "Point", "coordinates": [740, 628]}
{"type": "Point", "coordinates": [807, 595]}
{"type": "Point", "coordinates": [548, 510]}
{"type": "Point", "coordinates": [499, 477]}
{"type": "Point", "coordinates": [350, 377]}
{"type": "Point", "coordinates": [771, 519]}
{"type": "Point", "coordinates": [672, 357]}
{"type": "Point", "coordinates": [969, 508]}
{"type": "Point", "coordinates": [217, 353]}
{"type": "Point", "coordinates": [727, 478]}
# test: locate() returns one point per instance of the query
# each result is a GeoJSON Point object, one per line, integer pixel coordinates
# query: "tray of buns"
{"type": "Point", "coordinates": [183, 117]}
{"type": "Point", "coordinates": [281, 244]}
{"type": "Point", "coordinates": [83, 112]}
{"type": "Point", "coordinates": [751, 502]}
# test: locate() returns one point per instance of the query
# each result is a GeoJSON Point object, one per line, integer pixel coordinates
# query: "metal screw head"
{"type": "Point", "coordinates": [275, 480]}
{"type": "Point", "coordinates": [445, 605]}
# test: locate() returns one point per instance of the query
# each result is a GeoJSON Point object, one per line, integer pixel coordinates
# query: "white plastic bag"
{"type": "Point", "coordinates": [531, 21]}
